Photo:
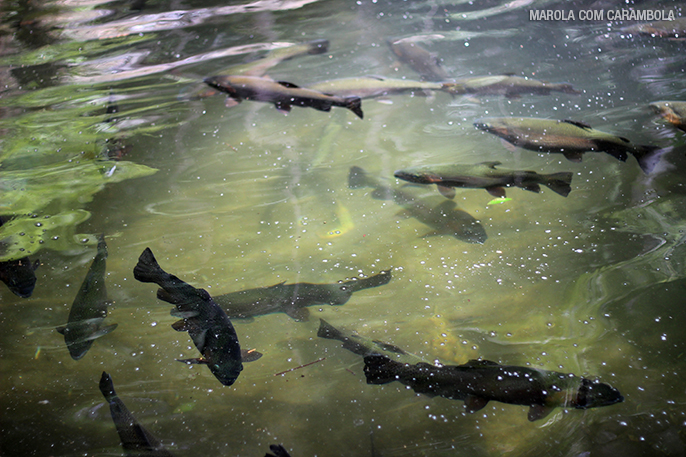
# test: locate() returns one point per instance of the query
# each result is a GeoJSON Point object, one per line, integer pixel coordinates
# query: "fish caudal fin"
{"type": "Point", "coordinates": [648, 156]}
{"type": "Point", "coordinates": [147, 269]}
{"type": "Point", "coordinates": [379, 369]}
{"type": "Point", "coordinates": [559, 182]}
{"type": "Point", "coordinates": [354, 104]}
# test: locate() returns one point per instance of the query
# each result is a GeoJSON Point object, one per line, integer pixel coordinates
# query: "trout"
{"type": "Point", "coordinates": [422, 61]}
{"type": "Point", "coordinates": [509, 85]}
{"type": "Point", "coordinates": [293, 299]}
{"type": "Point", "coordinates": [282, 94]}
{"type": "Point", "coordinates": [89, 309]}
{"type": "Point", "coordinates": [485, 176]}
{"type": "Point", "coordinates": [672, 112]}
{"type": "Point", "coordinates": [479, 381]}
{"type": "Point", "coordinates": [378, 86]}
{"type": "Point", "coordinates": [570, 138]}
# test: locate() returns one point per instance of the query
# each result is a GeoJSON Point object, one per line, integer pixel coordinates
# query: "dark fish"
{"type": "Point", "coordinates": [569, 138]}
{"type": "Point", "coordinates": [673, 30]}
{"type": "Point", "coordinates": [282, 94]}
{"type": "Point", "coordinates": [207, 324]}
{"type": "Point", "coordinates": [364, 346]}
{"type": "Point", "coordinates": [479, 381]}
{"type": "Point", "coordinates": [19, 275]}
{"type": "Point", "coordinates": [135, 439]}
{"type": "Point", "coordinates": [443, 219]}
{"type": "Point", "coordinates": [378, 86]}
{"type": "Point", "coordinates": [509, 86]}
{"type": "Point", "coordinates": [89, 308]}
{"type": "Point", "coordinates": [278, 451]}
{"type": "Point", "coordinates": [485, 176]}
{"type": "Point", "coordinates": [293, 299]}
{"type": "Point", "coordinates": [673, 112]}
{"type": "Point", "coordinates": [422, 61]}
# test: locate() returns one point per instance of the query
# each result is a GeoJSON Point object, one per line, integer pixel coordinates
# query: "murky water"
{"type": "Point", "coordinates": [243, 197]}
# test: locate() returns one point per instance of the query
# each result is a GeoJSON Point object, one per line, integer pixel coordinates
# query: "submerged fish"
{"type": "Point", "coordinates": [509, 86]}
{"type": "Point", "coordinates": [293, 299]}
{"type": "Point", "coordinates": [484, 175]}
{"type": "Point", "coordinates": [89, 308]}
{"type": "Point", "coordinates": [673, 112]}
{"type": "Point", "coordinates": [443, 219]}
{"type": "Point", "coordinates": [673, 30]}
{"type": "Point", "coordinates": [19, 275]}
{"type": "Point", "coordinates": [364, 346]}
{"type": "Point", "coordinates": [274, 57]}
{"type": "Point", "coordinates": [207, 324]}
{"type": "Point", "coordinates": [479, 381]}
{"type": "Point", "coordinates": [135, 439]}
{"type": "Point", "coordinates": [569, 138]}
{"type": "Point", "coordinates": [378, 86]}
{"type": "Point", "coordinates": [422, 61]}
{"type": "Point", "coordinates": [282, 94]}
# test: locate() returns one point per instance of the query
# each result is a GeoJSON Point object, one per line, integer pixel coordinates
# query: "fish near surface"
{"type": "Point", "coordinates": [282, 94]}
{"type": "Point", "coordinates": [569, 138]}
{"type": "Point", "coordinates": [422, 61]}
{"type": "Point", "coordinates": [89, 309]}
{"type": "Point", "coordinates": [510, 86]}
{"type": "Point", "coordinates": [293, 299]}
{"type": "Point", "coordinates": [19, 275]}
{"type": "Point", "coordinates": [379, 86]}
{"type": "Point", "coordinates": [672, 111]}
{"type": "Point", "coordinates": [207, 324]}
{"type": "Point", "coordinates": [484, 175]}
{"type": "Point", "coordinates": [443, 218]}
{"type": "Point", "coordinates": [479, 381]}
{"type": "Point", "coordinates": [135, 439]}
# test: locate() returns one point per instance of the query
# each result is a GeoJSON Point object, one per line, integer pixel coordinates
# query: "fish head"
{"type": "Point", "coordinates": [493, 125]}
{"type": "Point", "coordinates": [667, 111]}
{"type": "Point", "coordinates": [592, 394]}
{"type": "Point", "coordinates": [418, 175]}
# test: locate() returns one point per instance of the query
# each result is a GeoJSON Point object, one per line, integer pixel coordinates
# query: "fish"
{"type": "Point", "coordinates": [293, 299]}
{"type": "Point", "coordinates": [672, 30]}
{"type": "Point", "coordinates": [479, 381]}
{"type": "Point", "coordinates": [135, 439]}
{"type": "Point", "coordinates": [281, 93]}
{"type": "Point", "coordinates": [484, 175]}
{"type": "Point", "coordinates": [672, 111]}
{"type": "Point", "coordinates": [277, 451]}
{"type": "Point", "coordinates": [274, 57]}
{"type": "Point", "coordinates": [364, 346]}
{"type": "Point", "coordinates": [207, 324]}
{"type": "Point", "coordinates": [426, 63]}
{"type": "Point", "coordinates": [443, 218]}
{"type": "Point", "coordinates": [18, 275]}
{"type": "Point", "coordinates": [570, 138]}
{"type": "Point", "coordinates": [89, 309]}
{"type": "Point", "coordinates": [508, 85]}
{"type": "Point", "coordinates": [379, 86]}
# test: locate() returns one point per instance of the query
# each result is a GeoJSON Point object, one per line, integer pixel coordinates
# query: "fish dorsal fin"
{"type": "Point", "coordinates": [250, 355]}
{"type": "Point", "coordinates": [277, 285]}
{"type": "Point", "coordinates": [473, 403]}
{"type": "Point", "coordinates": [624, 139]}
{"type": "Point", "coordinates": [298, 314]}
{"type": "Point", "coordinates": [579, 124]}
{"type": "Point", "coordinates": [511, 73]}
{"type": "Point", "coordinates": [480, 363]}
{"type": "Point", "coordinates": [289, 85]}
{"type": "Point", "coordinates": [537, 412]}
{"type": "Point", "coordinates": [492, 164]}
{"type": "Point", "coordinates": [447, 192]}
{"type": "Point", "coordinates": [573, 156]}
{"type": "Point", "coordinates": [377, 77]}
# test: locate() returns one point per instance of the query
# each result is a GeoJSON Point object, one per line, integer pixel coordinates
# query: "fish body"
{"type": "Point", "coordinates": [364, 346]}
{"type": "Point", "coordinates": [378, 86]}
{"type": "Point", "coordinates": [207, 324]}
{"type": "Point", "coordinates": [484, 175]}
{"type": "Point", "coordinates": [274, 57]}
{"type": "Point", "coordinates": [672, 111]}
{"type": "Point", "coordinates": [293, 299]}
{"type": "Point", "coordinates": [479, 381]}
{"type": "Point", "coordinates": [135, 439]}
{"type": "Point", "coordinates": [443, 218]}
{"type": "Point", "coordinates": [569, 138]}
{"type": "Point", "coordinates": [19, 275]}
{"type": "Point", "coordinates": [282, 94]}
{"type": "Point", "coordinates": [426, 63]}
{"type": "Point", "coordinates": [673, 30]}
{"type": "Point", "coordinates": [89, 309]}
{"type": "Point", "coordinates": [509, 86]}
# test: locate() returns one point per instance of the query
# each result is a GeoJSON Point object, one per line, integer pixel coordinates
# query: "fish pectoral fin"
{"type": "Point", "coordinates": [181, 326]}
{"type": "Point", "coordinates": [537, 412]}
{"type": "Point", "coordinates": [284, 108]}
{"type": "Point", "coordinates": [102, 331]}
{"type": "Point", "coordinates": [473, 403]}
{"type": "Point", "coordinates": [496, 191]}
{"type": "Point", "coordinates": [61, 329]}
{"type": "Point", "coordinates": [176, 312]}
{"type": "Point", "coordinates": [507, 145]}
{"type": "Point", "coordinates": [289, 85]}
{"type": "Point", "coordinates": [573, 156]}
{"type": "Point", "coordinates": [230, 102]}
{"type": "Point", "coordinates": [447, 192]}
{"type": "Point", "coordinates": [492, 164]}
{"type": "Point", "coordinates": [532, 187]}
{"type": "Point", "coordinates": [250, 355]}
{"type": "Point", "coordinates": [198, 361]}
{"type": "Point", "coordinates": [298, 314]}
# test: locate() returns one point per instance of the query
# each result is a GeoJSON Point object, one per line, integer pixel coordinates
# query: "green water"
{"type": "Point", "coordinates": [243, 197]}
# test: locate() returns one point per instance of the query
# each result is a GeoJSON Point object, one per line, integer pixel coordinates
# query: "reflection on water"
{"type": "Point", "coordinates": [106, 127]}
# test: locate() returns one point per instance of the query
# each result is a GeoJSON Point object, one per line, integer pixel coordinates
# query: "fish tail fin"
{"type": "Point", "coordinates": [147, 269]}
{"type": "Point", "coordinates": [327, 330]}
{"type": "Point", "coordinates": [376, 280]}
{"type": "Point", "coordinates": [379, 369]}
{"type": "Point", "coordinates": [648, 156]}
{"type": "Point", "coordinates": [107, 387]}
{"type": "Point", "coordinates": [354, 104]}
{"type": "Point", "coordinates": [358, 178]}
{"type": "Point", "coordinates": [559, 182]}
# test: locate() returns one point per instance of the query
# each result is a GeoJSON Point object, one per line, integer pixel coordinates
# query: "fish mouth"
{"type": "Point", "coordinates": [482, 125]}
